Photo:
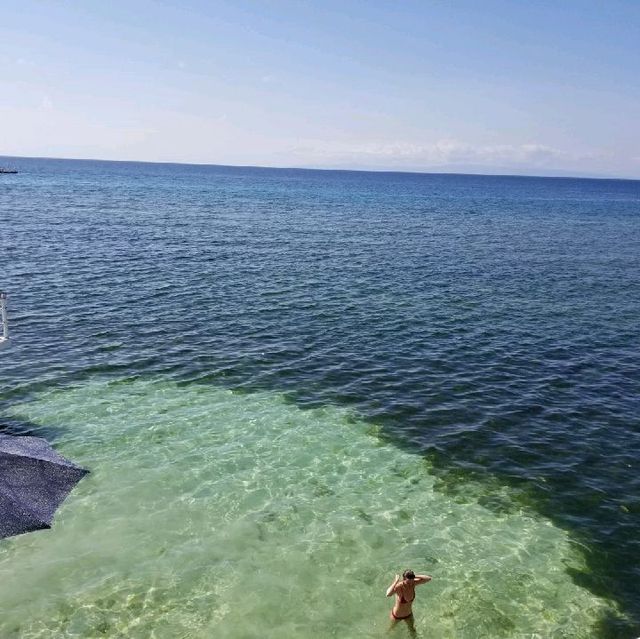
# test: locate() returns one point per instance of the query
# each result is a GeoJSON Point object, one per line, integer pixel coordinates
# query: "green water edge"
{"type": "Point", "coordinates": [212, 513]}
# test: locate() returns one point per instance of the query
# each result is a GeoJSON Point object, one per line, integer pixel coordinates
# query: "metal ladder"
{"type": "Point", "coordinates": [4, 322]}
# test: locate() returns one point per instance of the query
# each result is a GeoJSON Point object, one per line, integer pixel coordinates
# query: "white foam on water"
{"type": "Point", "coordinates": [215, 514]}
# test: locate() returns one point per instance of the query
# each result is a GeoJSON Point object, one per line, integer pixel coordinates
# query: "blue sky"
{"type": "Point", "coordinates": [492, 87]}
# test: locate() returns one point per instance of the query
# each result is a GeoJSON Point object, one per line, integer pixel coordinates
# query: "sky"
{"type": "Point", "coordinates": [541, 88]}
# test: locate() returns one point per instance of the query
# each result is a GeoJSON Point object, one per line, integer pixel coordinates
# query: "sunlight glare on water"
{"type": "Point", "coordinates": [211, 513]}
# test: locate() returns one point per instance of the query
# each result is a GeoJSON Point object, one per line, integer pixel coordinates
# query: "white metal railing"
{"type": "Point", "coordinates": [4, 322]}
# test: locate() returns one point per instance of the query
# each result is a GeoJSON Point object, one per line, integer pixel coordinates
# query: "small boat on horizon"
{"type": "Point", "coordinates": [7, 170]}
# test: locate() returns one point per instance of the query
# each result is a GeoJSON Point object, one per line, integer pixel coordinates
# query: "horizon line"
{"type": "Point", "coordinates": [327, 169]}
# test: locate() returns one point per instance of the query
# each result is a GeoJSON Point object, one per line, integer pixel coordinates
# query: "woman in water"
{"type": "Point", "coordinates": [405, 591]}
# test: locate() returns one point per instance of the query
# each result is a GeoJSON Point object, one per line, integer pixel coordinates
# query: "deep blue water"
{"type": "Point", "coordinates": [488, 323]}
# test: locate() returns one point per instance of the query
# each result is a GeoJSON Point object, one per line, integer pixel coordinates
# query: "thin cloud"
{"type": "Point", "coordinates": [443, 152]}
{"type": "Point", "coordinates": [46, 104]}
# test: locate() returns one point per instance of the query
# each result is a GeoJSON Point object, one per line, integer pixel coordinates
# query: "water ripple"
{"type": "Point", "coordinates": [488, 323]}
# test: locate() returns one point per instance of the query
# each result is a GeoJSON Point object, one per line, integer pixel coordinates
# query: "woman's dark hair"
{"type": "Point", "coordinates": [409, 574]}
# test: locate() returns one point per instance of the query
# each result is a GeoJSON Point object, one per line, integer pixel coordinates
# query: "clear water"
{"type": "Point", "coordinates": [289, 385]}
{"type": "Point", "coordinates": [210, 513]}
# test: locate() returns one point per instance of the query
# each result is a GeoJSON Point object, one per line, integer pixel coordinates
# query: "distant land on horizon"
{"type": "Point", "coordinates": [436, 170]}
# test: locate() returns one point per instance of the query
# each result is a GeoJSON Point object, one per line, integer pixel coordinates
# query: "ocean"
{"type": "Point", "coordinates": [290, 385]}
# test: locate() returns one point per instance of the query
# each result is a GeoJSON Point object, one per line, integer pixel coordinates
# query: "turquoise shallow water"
{"type": "Point", "coordinates": [484, 328]}
{"type": "Point", "coordinates": [216, 514]}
